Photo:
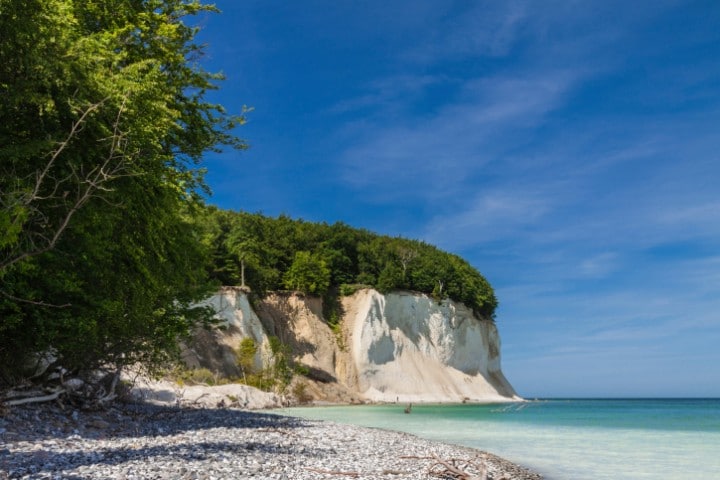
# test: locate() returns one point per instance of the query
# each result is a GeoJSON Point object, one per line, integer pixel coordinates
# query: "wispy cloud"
{"type": "Point", "coordinates": [484, 29]}
{"type": "Point", "coordinates": [489, 216]}
{"type": "Point", "coordinates": [439, 153]}
{"type": "Point", "coordinates": [388, 96]}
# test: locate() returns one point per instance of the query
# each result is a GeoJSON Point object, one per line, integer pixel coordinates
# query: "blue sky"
{"type": "Point", "coordinates": [569, 150]}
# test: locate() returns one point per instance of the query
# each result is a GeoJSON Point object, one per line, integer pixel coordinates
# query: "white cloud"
{"type": "Point", "coordinates": [691, 215]}
{"type": "Point", "coordinates": [488, 217]}
{"type": "Point", "coordinates": [436, 154]}
{"type": "Point", "coordinates": [387, 95]}
{"type": "Point", "coordinates": [598, 265]}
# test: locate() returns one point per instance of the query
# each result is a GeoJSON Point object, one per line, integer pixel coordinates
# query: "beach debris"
{"type": "Point", "coordinates": [456, 468]}
{"type": "Point", "coordinates": [332, 472]}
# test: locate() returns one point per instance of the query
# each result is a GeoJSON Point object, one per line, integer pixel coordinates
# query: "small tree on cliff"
{"type": "Point", "coordinates": [246, 251]}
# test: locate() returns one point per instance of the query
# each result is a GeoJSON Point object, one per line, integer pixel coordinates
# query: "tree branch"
{"type": "Point", "coordinates": [89, 184]}
{"type": "Point", "coordinates": [44, 398]}
{"type": "Point", "coordinates": [33, 302]}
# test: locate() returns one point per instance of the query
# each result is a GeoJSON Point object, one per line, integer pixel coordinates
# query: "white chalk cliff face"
{"type": "Point", "coordinates": [407, 347]}
{"type": "Point", "coordinates": [396, 347]}
{"type": "Point", "coordinates": [216, 350]}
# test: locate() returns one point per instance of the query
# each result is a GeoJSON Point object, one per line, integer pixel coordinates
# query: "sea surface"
{"type": "Point", "coordinates": [566, 439]}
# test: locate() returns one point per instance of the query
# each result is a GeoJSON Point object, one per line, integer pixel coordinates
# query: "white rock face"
{"type": "Point", "coordinates": [297, 321]}
{"type": "Point", "coordinates": [161, 392]}
{"type": "Point", "coordinates": [216, 350]}
{"type": "Point", "coordinates": [398, 347]}
{"type": "Point", "coordinates": [408, 348]}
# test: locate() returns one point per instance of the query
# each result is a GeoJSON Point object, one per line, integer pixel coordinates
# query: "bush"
{"type": "Point", "coordinates": [301, 369]}
{"type": "Point", "coordinates": [348, 289]}
{"type": "Point", "coordinates": [299, 391]}
{"type": "Point", "coordinates": [246, 355]}
{"type": "Point", "coordinates": [197, 376]}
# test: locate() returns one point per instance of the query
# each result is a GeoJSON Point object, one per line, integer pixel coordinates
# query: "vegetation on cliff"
{"type": "Point", "coordinates": [269, 253]}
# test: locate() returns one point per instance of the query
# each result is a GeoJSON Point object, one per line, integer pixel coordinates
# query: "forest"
{"type": "Point", "coordinates": [107, 243]}
{"type": "Point", "coordinates": [266, 254]}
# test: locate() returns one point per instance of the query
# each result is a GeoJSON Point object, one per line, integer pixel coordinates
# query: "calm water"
{"type": "Point", "coordinates": [567, 439]}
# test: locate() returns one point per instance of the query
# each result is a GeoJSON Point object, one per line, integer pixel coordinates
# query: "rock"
{"type": "Point", "coordinates": [39, 363]}
{"type": "Point", "coordinates": [162, 392]}
{"type": "Point", "coordinates": [73, 384]}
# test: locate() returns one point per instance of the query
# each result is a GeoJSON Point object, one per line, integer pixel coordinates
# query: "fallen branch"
{"type": "Point", "coordinates": [454, 468]}
{"type": "Point", "coordinates": [198, 398]}
{"type": "Point", "coordinates": [45, 398]}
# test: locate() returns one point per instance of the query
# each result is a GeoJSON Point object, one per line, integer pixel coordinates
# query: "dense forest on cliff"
{"type": "Point", "coordinates": [267, 253]}
{"type": "Point", "coordinates": [106, 246]}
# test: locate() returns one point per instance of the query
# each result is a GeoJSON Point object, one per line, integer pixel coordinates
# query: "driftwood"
{"type": "Point", "coordinates": [455, 468]}
{"type": "Point", "coordinates": [33, 398]}
{"type": "Point", "coordinates": [56, 388]}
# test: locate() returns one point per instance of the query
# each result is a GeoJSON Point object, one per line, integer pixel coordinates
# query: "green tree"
{"type": "Point", "coordinates": [245, 245]}
{"type": "Point", "coordinates": [391, 278]}
{"type": "Point", "coordinates": [214, 226]}
{"type": "Point", "coordinates": [308, 273]}
{"type": "Point", "coordinates": [246, 357]}
{"type": "Point", "coordinates": [103, 124]}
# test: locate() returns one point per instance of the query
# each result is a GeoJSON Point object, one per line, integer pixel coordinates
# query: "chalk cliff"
{"type": "Point", "coordinates": [400, 346]}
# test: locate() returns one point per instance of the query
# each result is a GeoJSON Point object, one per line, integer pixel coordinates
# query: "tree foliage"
{"type": "Point", "coordinates": [103, 124]}
{"type": "Point", "coordinates": [319, 258]}
{"type": "Point", "coordinates": [308, 273]}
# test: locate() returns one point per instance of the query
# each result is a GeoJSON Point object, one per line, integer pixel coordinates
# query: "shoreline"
{"type": "Point", "coordinates": [369, 403]}
{"type": "Point", "coordinates": [139, 441]}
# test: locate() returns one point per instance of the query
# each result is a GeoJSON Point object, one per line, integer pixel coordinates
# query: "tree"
{"type": "Point", "coordinates": [214, 227]}
{"type": "Point", "coordinates": [245, 247]}
{"type": "Point", "coordinates": [246, 352]}
{"type": "Point", "coordinates": [391, 278]}
{"type": "Point", "coordinates": [103, 125]}
{"type": "Point", "coordinates": [308, 273]}
{"type": "Point", "coordinates": [406, 254]}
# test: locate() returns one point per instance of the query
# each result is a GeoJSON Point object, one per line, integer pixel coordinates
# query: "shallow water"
{"type": "Point", "coordinates": [619, 439]}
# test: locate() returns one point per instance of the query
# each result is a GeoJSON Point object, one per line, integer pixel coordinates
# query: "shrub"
{"type": "Point", "coordinates": [299, 391]}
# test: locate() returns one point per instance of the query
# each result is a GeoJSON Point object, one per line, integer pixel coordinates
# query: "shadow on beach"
{"type": "Point", "coordinates": [37, 423]}
{"type": "Point", "coordinates": [59, 437]}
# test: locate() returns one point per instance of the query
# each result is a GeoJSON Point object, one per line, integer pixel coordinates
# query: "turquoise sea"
{"type": "Point", "coordinates": [566, 439]}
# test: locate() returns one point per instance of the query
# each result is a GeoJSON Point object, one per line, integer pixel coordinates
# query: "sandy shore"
{"type": "Point", "coordinates": [141, 441]}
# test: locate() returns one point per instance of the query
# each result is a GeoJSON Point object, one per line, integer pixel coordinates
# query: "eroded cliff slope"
{"type": "Point", "coordinates": [397, 347]}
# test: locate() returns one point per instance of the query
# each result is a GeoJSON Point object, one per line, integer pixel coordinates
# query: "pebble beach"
{"type": "Point", "coordinates": [145, 441]}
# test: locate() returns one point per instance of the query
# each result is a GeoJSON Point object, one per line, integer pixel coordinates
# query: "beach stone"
{"type": "Point", "coordinates": [97, 423]}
